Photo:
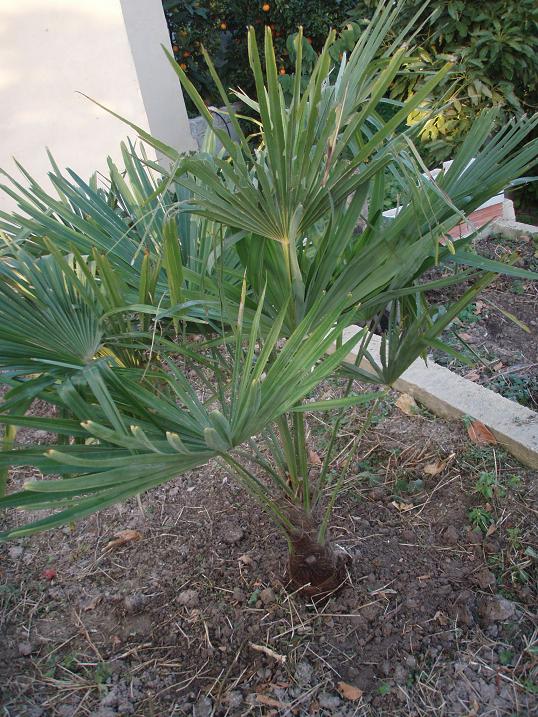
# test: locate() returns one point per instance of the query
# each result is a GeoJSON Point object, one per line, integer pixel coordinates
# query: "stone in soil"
{"type": "Point", "coordinates": [188, 598]}
{"type": "Point", "coordinates": [233, 535]}
{"type": "Point", "coordinates": [495, 608]}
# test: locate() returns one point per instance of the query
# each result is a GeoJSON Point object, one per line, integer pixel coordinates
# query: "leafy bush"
{"type": "Point", "coordinates": [220, 26]}
{"type": "Point", "coordinates": [494, 43]}
{"type": "Point", "coordinates": [292, 263]}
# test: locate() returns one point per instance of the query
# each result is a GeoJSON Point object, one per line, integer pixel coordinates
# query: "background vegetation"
{"type": "Point", "coordinates": [494, 43]}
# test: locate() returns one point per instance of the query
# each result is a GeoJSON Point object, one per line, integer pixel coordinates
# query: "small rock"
{"type": "Point", "coordinates": [25, 648]}
{"type": "Point", "coordinates": [188, 598]}
{"type": "Point", "coordinates": [461, 610]}
{"type": "Point", "coordinates": [385, 668]}
{"type": "Point", "coordinates": [370, 612]}
{"type": "Point", "coordinates": [134, 603]}
{"type": "Point", "coordinates": [328, 701]}
{"type": "Point", "coordinates": [377, 493]}
{"type": "Point", "coordinates": [41, 435]}
{"type": "Point", "coordinates": [104, 712]}
{"type": "Point", "coordinates": [267, 596]}
{"type": "Point", "coordinates": [411, 661]}
{"type": "Point", "coordinates": [491, 547]}
{"type": "Point", "coordinates": [400, 674]}
{"type": "Point", "coordinates": [234, 699]}
{"type": "Point", "coordinates": [203, 708]}
{"type": "Point", "coordinates": [495, 608]}
{"type": "Point", "coordinates": [484, 578]}
{"type": "Point", "coordinates": [304, 672]}
{"type": "Point", "coordinates": [239, 595]}
{"type": "Point", "coordinates": [15, 552]}
{"type": "Point", "coordinates": [233, 535]}
{"type": "Point", "coordinates": [451, 535]}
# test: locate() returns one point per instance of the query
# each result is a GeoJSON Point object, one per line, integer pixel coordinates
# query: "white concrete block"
{"type": "Point", "coordinates": [451, 396]}
{"type": "Point", "coordinates": [108, 49]}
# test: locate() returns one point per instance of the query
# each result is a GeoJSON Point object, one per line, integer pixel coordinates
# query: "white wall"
{"type": "Point", "coordinates": [108, 49]}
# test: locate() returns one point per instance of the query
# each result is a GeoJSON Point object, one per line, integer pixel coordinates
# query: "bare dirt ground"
{"type": "Point", "coordinates": [192, 617]}
{"type": "Point", "coordinates": [503, 355]}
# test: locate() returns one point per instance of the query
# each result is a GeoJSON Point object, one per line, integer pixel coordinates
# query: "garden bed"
{"type": "Point", "coordinates": [192, 617]}
{"type": "Point", "coordinates": [503, 356]}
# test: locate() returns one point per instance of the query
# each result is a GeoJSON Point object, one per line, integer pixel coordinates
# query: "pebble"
{"type": "Point", "coordinates": [304, 672]}
{"type": "Point", "coordinates": [233, 536]}
{"type": "Point", "coordinates": [400, 674]}
{"type": "Point", "coordinates": [328, 701]}
{"type": "Point", "coordinates": [25, 648]}
{"type": "Point", "coordinates": [495, 608]}
{"type": "Point", "coordinates": [239, 595]}
{"type": "Point", "coordinates": [15, 552]}
{"type": "Point", "coordinates": [484, 578]}
{"type": "Point", "coordinates": [234, 699]}
{"type": "Point", "coordinates": [188, 598]}
{"type": "Point", "coordinates": [377, 493]}
{"type": "Point", "coordinates": [451, 535]}
{"type": "Point", "coordinates": [267, 596]}
{"type": "Point", "coordinates": [134, 603]}
{"type": "Point", "coordinates": [203, 708]}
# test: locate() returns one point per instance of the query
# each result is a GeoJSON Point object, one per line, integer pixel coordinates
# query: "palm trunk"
{"type": "Point", "coordinates": [315, 569]}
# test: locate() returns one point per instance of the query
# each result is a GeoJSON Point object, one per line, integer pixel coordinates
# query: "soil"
{"type": "Point", "coordinates": [189, 616]}
{"type": "Point", "coordinates": [503, 356]}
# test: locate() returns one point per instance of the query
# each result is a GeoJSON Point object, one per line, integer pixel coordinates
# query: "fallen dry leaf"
{"type": "Point", "coordinates": [465, 336]}
{"type": "Point", "coordinates": [122, 537]}
{"type": "Point", "coordinates": [90, 603]}
{"type": "Point", "coordinates": [479, 305]}
{"type": "Point", "coordinates": [472, 375]}
{"type": "Point", "coordinates": [402, 506]}
{"type": "Point", "coordinates": [498, 366]}
{"type": "Point", "coordinates": [433, 469]}
{"type": "Point", "coordinates": [349, 692]}
{"type": "Point", "coordinates": [480, 434]}
{"type": "Point", "coordinates": [313, 457]}
{"type": "Point", "coordinates": [441, 617]}
{"type": "Point", "coordinates": [407, 404]}
{"type": "Point", "coordinates": [270, 701]}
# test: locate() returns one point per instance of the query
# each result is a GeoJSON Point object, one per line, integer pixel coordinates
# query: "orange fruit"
{"type": "Point", "coordinates": [309, 40]}
{"type": "Point", "coordinates": [282, 71]}
{"type": "Point", "coordinates": [186, 53]}
{"type": "Point", "coordinates": [183, 65]}
{"type": "Point", "coordinates": [175, 48]}
{"type": "Point", "coordinates": [223, 26]}
{"type": "Point", "coordinates": [266, 7]}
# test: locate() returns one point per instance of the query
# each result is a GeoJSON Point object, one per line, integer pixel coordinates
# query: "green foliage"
{"type": "Point", "coordinates": [269, 253]}
{"type": "Point", "coordinates": [495, 47]}
{"type": "Point", "coordinates": [219, 25]}
{"type": "Point", "coordinates": [489, 486]}
{"type": "Point", "coordinates": [480, 518]}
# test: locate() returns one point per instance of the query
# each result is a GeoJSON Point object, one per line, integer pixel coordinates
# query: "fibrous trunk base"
{"type": "Point", "coordinates": [314, 569]}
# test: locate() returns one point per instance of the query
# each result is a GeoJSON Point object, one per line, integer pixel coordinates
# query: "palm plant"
{"type": "Point", "coordinates": [286, 210]}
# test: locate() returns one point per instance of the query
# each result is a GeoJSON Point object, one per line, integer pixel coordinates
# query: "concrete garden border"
{"type": "Point", "coordinates": [449, 395]}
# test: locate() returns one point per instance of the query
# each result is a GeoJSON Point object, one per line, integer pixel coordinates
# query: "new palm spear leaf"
{"type": "Point", "coordinates": [288, 208]}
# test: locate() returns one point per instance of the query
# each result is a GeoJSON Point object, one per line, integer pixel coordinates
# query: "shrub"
{"type": "Point", "coordinates": [220, 25]}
